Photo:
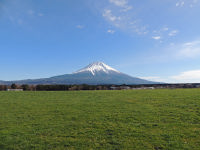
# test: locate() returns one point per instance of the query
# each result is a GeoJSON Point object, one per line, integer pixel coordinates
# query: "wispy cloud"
{"type": "Point", "coordinates": [165, 29]}
{"type": "Point", "coordinates": [20, 12]}
{"type": "Point", "coordinates": [192, 76]}
{"type": "Point", "coordinates": [110, 17]}
{"type": "Point", "coordinates": [173, 33]}
{"type": "Point", "coordinates": [156, 37]}
{"type": "Point", "coordinates": [123, 4]}
{"type": "Point", "coordinates": [190, 3]}
{"type": "Point", "coordinates": [120, 3]}
{"type": "Point", "coordinates": [180, 4]}
{"type": "Point", "coordinates": [119, 13]}
{"type": "Point", "coordinates": [111, 31]}
{"type": "Point", "coordinates": [175, 52]}
{"type": "Point", "coordinates": [164, 33]}
{"type": "Point", "coordinates": [189, 49]}
{"type": "Point", "coordinates": [125, 15]}
{"type": "Point", "coordinates": [194, 3]}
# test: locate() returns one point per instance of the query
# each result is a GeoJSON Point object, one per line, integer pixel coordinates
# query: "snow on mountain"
{"type": "Point", "coordinates": [97, 67]}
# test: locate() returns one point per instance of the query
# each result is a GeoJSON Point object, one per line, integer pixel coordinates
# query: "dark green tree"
{"type": "Point", "coordinates": [25, 87]}
{"type": "Point", "coordinates": [13, 86]}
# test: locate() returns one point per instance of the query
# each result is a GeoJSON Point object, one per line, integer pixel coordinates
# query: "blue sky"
{"type": "Point", "coordinates": [155, 40]}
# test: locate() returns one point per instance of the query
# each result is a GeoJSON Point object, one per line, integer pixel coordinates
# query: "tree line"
{"type": "Point", "coordinates": [27, 87]}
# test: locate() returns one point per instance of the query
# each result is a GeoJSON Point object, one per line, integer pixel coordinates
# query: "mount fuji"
{"type": "Point", "coordinates": [94, 74]}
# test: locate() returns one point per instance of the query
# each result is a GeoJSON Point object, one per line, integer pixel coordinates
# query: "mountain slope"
{"type": "Point", "coordinates": [95, 73]}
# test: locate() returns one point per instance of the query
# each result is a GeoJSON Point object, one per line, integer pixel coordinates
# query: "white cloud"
{"type": "Point", "coordinates": [119, 14]}
{"type": "Point", "coordinates": [180, 4]}
{"type": "Point", "coordinates": [126, 8]}
{"type": "Point", "coordinates": [161, 30]}
{"type": "Point", "coordinates": [111, 31]}
{"type": "Point", "coordinates": [180, 51]}
{"type": "Point", "coordinates": [190, 3]}
{"type": "Point", "coordinates": [173, 33]}
{"type": "Point", "coordinates": [156, 37]}
{"type": "Point", "coordinates": [124, 22]}
{"type": "Point", "coordinates": [165, 29]}
{"type": "Point", "coordinates": [192, 76]}
{"type": "Point", "coordinates": [109, 16]}
{"type": "Point", "coordinates": [19, 13]}
{"type": "Point", "coordinates": [164, 32]}
{"type": "Point", "coordinates": [120, 3]}
{"type": "Point", "coordinates": [189, 49]}
{"type": "Point", "coordinates": [194, 3]}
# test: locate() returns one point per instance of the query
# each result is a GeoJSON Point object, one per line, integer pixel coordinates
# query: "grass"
{"type": "Point", "coordinates": [137, 119]}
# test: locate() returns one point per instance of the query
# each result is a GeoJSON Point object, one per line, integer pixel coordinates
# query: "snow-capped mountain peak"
{"type": "Point", "coordinates": [97, 67]}
{"type": "Point", "coordinates": [96, 73]}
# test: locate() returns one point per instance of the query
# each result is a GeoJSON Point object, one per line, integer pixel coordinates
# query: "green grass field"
{"type": "Point", "coordinates": [138, 119]}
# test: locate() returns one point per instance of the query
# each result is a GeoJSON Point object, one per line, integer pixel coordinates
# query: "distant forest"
{"type": "Point", "coordinates": [27, 87]}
